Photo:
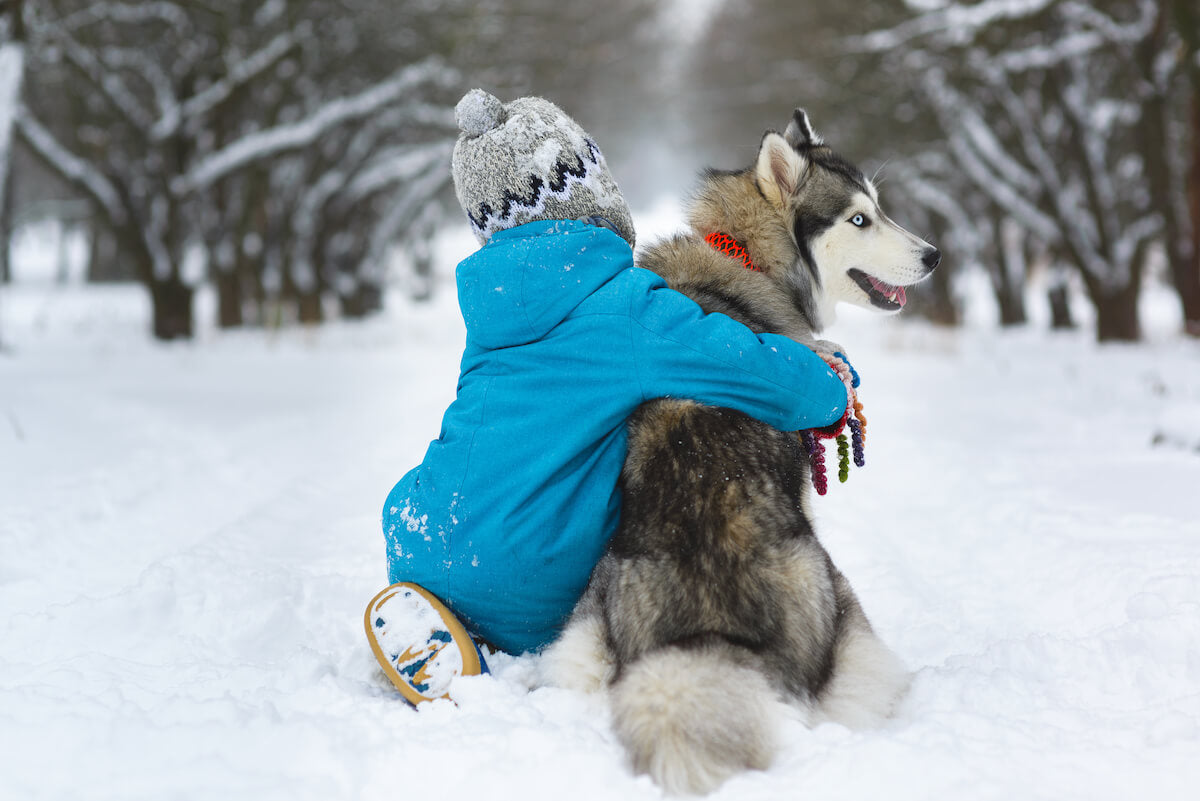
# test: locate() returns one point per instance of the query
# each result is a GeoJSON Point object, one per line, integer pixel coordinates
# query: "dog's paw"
{"type": "Point", "coordinates": [579, 659]}
{"type": "Point", "coordinates": [828, 350]}
{"type": "Point", "coordinates": [835, 356]}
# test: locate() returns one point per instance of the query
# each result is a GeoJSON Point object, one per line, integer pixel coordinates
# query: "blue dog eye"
{"type": "Point", "coordinates": [859, 220]}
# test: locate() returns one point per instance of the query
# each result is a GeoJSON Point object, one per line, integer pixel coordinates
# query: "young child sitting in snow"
{"type": "Point", "coordinates": [493, 536]}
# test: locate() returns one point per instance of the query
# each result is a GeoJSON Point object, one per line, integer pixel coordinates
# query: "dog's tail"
{"type": "Point", "coordinates": [692, 717]}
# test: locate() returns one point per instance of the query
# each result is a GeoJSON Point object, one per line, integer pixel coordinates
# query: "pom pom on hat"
{"type": "Point", "coordinates": [478, 112]}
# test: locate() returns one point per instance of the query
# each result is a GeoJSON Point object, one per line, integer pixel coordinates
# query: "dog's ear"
{"type": "Point", "coordinates": [800, 132]}
{"type": "Point", "coordinates": [779, 169]}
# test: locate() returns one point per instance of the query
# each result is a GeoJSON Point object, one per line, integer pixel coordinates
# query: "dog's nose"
{"type": "Point", "coordinates": [931, 259]}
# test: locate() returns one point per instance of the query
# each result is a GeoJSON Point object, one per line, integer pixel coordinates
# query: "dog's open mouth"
{"type": "Point", "coordinates": [881, 293]}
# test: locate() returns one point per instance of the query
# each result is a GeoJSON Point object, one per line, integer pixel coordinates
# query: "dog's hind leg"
{"type": "Point", "coordinates": [868, 680]}
{"type": "Point", "coordinates": [580, 658]}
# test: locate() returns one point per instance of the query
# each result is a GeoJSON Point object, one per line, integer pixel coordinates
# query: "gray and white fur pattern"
{"type": "Point", "coordinates": [715, 607]}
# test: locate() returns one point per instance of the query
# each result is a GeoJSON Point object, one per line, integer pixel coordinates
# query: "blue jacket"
{"type": "Point", "coordinates": [517, 497]}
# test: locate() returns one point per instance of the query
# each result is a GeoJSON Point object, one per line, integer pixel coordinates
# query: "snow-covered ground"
{"type": "Point", "coordinates": [189, 535]}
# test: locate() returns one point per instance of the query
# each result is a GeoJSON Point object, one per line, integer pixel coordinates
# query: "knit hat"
{"type": "Point", "coordinates": [527, 161]}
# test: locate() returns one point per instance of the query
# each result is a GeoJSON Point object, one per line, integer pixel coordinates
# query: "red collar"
{"type": "Point", "coordinates": [732, 248]}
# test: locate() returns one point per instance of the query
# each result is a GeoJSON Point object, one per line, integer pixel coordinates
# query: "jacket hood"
{"type": "Point", "coordinates": [527, 279]}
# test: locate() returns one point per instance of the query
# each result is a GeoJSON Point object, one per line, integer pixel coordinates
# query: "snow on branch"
{"type": "Point", "coordinates": [283, 138]}
{"type": "Point", "coordinates": [239, 75]}
{"type": "Point", "coordinates": [1084, 14]}
{"type": "Point", "coordinates": [985, 160]}
{"type": "Point", "coordinates": [985, 142]}
{"type": "Point", "coordinates": [1000, 192]}
{"type": "Point", "coordinates": [136, 12]}
{"type": "Point", "coordinates": [414, 194]}
{"type": "Point", "coordinates": [957, 23]}
{"type": "Point", "coordinates": [1044, 56]}
{"type": "Point", "coordinates": [1091, 31]}
{"type": "Point", "coordinates": [1134, 234]}
{"type": "Point", "coordinates": [395, 167]}
{"type": "Point", "coordinates": [149, 70]}
{"type": "Point", "coordinates": [932, 195]}
{"type": "Point", "coordinates": [69, 166]}
{"type": "Point", "coordinates": [104, 78]}
{"type": "Point", "coordinates": [411, 164]}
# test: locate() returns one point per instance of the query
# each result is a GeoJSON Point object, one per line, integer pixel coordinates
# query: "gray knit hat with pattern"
{"type": "Point", "coordinates": [526, 160]}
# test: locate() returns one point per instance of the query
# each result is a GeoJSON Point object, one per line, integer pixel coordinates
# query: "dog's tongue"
{"type": "Point", "coordinates": [894, 293]}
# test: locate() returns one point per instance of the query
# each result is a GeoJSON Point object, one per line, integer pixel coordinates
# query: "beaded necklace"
{"type": "Point", "coordinates": [813, 439]}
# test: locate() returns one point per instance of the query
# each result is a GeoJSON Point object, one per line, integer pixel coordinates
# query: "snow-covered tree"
{"type": "Point", "coordinates": [290, 144]}
{"type": "Point", "coordinates": [1064, 116]}
{"type": "Point", "coordinates": [200, 128]}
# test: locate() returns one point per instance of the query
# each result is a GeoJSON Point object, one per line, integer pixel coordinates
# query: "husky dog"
{"type": "Point", "coordinates": [715, 602]}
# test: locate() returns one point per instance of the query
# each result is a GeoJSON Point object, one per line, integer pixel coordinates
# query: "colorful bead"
{"type": "Point", "coordinates": [816, 461]}
{"type": "Point", "coordinates": [856, 437]}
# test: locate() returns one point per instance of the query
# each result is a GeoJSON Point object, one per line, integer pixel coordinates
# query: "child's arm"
{"type": "Point", "coordinates": [681, 352]}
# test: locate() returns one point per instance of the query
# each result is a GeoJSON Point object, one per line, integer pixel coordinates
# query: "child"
{"type": "Point", "coordinates": [501, 524]}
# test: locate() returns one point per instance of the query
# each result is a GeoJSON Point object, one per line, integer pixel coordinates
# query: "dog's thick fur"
{"type": "Point", "coordinates": [715, 601]}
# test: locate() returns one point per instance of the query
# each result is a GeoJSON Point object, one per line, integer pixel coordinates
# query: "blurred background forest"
{"type": "Point", "coordinates": [291, 156]}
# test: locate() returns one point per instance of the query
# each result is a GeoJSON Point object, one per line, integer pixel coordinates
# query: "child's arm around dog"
{"type": "Point", "coordinates": [682, 352]}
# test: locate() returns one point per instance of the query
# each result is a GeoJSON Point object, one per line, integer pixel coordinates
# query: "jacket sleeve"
{"type": "Point", "coordinates": [679, 351]}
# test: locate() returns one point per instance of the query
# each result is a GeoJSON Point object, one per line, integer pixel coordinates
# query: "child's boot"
{"type": "Point", "coordinates": [419, 643]}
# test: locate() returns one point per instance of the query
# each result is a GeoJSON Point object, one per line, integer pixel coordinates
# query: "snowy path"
{"type": "Point", "coordinates": [190, 533]}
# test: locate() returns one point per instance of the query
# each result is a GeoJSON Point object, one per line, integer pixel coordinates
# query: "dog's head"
{"type": "Point", "coordinates": [847, 249]}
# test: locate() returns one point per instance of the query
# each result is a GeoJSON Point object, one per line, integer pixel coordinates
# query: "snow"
{"type": "Point", "coordinates": [191, 534]}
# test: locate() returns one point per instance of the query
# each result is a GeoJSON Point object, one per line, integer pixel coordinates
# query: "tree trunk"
{"type": "Point", "coordinates": [1012, 306]}
{"type": "Point", "coordinates": [16, 25]}
{"type": "Point", "coordinates": [1117, 314]}
{"type": "Point", "coordinates": [1008, 274]}
{"type": "Point", "coordinates": [104, 258]}
{"type": "Point", "coordinates": [1187, 281]}
{"type": "Point", "coordinates": [1060, 308]}
{"type": "Point", "coordinates": [229, 298]}
{"type": "Point", "coordinates": [365, 299]}
{"type": "Point", "coordinates": [308, 307]}
{"type": "Point", "coordinates": [172, 301]}
{"type": "Point", "coordinates": [1186, 268]}
{"type": "Point", "coordinates": [938, 305]}
{"type": "Point", "coordinates": [62, 256]}
{"type": "Point", "coordinates": [6, 228]}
